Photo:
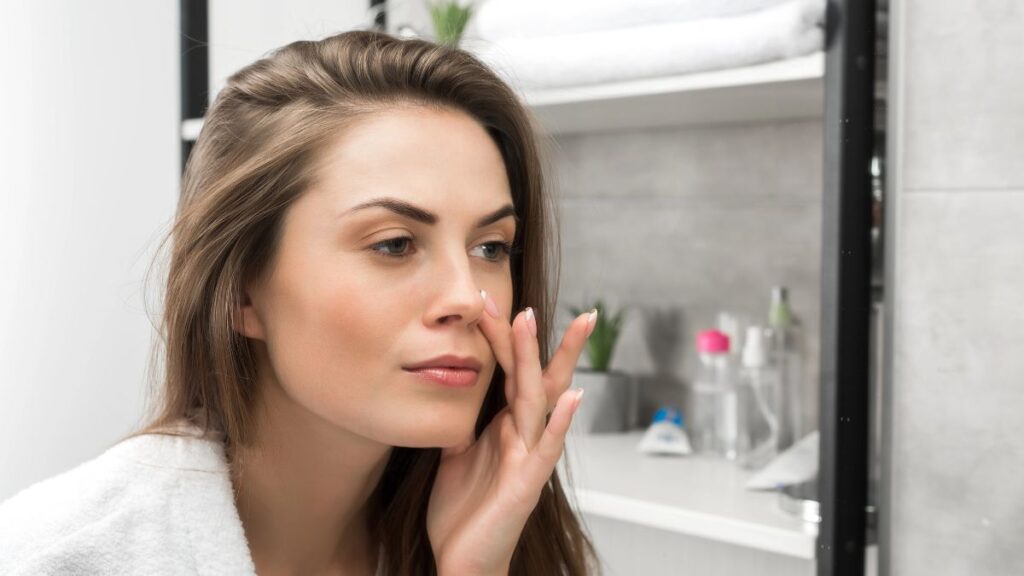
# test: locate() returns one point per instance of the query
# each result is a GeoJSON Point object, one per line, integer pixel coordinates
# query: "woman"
{"type": "Point", "coordinates": [360, 216]}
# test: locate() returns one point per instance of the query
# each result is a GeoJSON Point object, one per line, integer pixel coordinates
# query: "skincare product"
{"type": "Point", "coordinates": [666, 434]}
{"type": "Point", "coordinates": [714, 410]}
{"type": "Point", "coordinates": [784, 358]}
{"type": "Point", "coordinates": [755, 394]}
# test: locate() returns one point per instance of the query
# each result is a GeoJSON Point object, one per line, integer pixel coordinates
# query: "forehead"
{"type": "Point", "coordinates": [439, 157]}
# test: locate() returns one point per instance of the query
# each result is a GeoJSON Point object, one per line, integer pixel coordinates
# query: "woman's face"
{"type": "Point", "coordinates": [349, 302]}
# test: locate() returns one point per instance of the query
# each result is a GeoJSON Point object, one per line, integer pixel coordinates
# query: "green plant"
{"type": "Point", "coordinates": [450, 19]}
{"type": "Point", "coordinates": [602, 340]}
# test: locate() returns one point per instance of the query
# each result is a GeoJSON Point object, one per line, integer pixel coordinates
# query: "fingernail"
{"type": "Point", "coordinates": [579, 397]}
{"type": "Point", "coordinates": [489, 304]}
{"type": "Point", "coordinates": [531, 321]}
{"type": "Point", "coordinates": [591, 321]}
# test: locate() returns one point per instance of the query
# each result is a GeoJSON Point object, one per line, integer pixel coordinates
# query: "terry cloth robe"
{"type": "Point", "coordinates": [152, 504]}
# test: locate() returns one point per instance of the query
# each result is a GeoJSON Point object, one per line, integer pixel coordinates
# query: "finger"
{"type": "Point", "coordinates": [498, 332]}
{"type": "Point", "coordinates": [558, 374]}
{"type": "Point", "coordinates": [529, 407]}
{"type": "Point", "coordinates": [552, 443]}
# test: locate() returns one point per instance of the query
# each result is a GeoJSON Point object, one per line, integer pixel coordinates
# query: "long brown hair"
{"type": "Point", "coordinates": [253, 158]}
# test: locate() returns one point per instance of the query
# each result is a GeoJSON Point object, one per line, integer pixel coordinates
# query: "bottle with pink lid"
{"type": "Point", "coordinates": [713, 414]}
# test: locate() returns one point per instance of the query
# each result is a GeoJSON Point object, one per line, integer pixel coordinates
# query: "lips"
{"type": "Point", "coordinates": [448, 370]}
{"type": "Point", "coordinates": [455, 377]}
{"type": "Point", "coordinates": [448, 361]}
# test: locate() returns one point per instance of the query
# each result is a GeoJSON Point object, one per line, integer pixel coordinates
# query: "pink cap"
{"type": "Point", "coordinates": [712, 341]}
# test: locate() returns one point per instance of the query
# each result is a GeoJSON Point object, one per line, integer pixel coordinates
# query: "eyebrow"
{"type": "Point", "coordinates": [413, 212]}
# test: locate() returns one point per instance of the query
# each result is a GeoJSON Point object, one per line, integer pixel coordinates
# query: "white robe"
{"type": "Point", "coordinates": [149, 505]}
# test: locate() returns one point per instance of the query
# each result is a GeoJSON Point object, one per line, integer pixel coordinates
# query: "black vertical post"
{"type": "Point", "coordinates": [195, 65]}
{"type": "Point", "coordinates": [846, 286]}
{"type": "Point", "coordinates": [380, 14]}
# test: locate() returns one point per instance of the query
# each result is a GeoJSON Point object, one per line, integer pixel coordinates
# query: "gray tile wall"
{"type": "Point", "coordinates": [955, 499]}
{"type": "Point", "coordinates": [678, 224]}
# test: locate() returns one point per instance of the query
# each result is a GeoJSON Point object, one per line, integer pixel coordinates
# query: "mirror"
{"type": "Point", "coordinates": [686, 148]}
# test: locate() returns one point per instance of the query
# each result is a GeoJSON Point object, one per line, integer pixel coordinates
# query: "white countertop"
{"type": "Point", "coordinates": [700, 496]}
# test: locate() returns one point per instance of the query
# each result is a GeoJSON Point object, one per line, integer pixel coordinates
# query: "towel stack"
{"type": "Point", "coordinates": [536, 44]}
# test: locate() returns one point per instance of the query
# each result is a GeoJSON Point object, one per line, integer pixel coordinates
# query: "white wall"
{"type": "Point", "coordinates": [89, 171]}
{"type": "Point", "coordinates": [89, 178]}
{"type": "Point", "coordinates": [242, 31]}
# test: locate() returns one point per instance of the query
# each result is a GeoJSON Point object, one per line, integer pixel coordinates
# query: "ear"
{"type": "Point", "coordinates": [247, 321]}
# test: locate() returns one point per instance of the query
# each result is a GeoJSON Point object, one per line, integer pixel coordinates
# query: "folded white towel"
{"type": "Point", "coordinates": [148, 505]}
{"type": "Point", "coordinates": [784, 31]}
{"type": "Point", "coordinates": [504, 19]}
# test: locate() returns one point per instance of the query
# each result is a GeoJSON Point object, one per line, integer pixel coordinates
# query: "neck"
{"type": "Point", "coordinates": [302, 490]}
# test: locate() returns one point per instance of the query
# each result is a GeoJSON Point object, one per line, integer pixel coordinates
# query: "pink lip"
{"type": "Point", "coordinates": [455, 377]}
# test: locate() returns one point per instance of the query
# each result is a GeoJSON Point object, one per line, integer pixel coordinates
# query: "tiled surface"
{"type": "Point", "coordinates": [745, 161]}
{"type": "Point", "coordinates": [679, 224]}
{"type": "Point", "coordinates": [958, 438]}
{"type": "Point", "coordinates": [964, 77]}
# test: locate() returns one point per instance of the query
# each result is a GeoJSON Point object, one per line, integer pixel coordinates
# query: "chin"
{"type": "Point", "coordinates": [441, 430]}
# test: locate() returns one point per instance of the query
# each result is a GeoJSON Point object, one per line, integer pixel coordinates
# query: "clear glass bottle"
{"type": "Point", "coordinates": [785, 359]}
{"type": "Point", "coordinates": [756, 442]}
{"type": "Point", "coordinates": [714, 413]}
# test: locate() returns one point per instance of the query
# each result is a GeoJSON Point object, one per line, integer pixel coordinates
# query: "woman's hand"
{"type": "Point", "coordinates": [486, 490]}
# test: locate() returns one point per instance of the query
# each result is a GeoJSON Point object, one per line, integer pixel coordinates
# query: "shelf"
{"type": "Point", "coordinates": [699, 496]}
{"type": "Point", "coordinates": [781, 90]}
{"type": "Point", "coordinates": [785, 89]}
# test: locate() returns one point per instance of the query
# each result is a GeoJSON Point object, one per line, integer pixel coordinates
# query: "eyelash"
{"type": "Point", "coordinates": [507, 249]}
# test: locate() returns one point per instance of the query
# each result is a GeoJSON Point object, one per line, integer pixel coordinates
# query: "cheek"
{"type": "Point", "coordinates": [339, 338]}
{"type": "Point", "coordinates": [330, 343]}
{"type": "Point", "coordinates": [354, 329]}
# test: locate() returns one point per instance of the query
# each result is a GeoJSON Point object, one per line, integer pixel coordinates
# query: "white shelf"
{"type": "Point", "coordinates": [785, 89]}
{"type": "Point", "coordinates": [699, 496]}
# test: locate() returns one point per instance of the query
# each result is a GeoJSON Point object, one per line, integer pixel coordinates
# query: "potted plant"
{"type": "Point", "coordinates": [609, 393]}
{"type": "Point", "coordinates": [449, 18]}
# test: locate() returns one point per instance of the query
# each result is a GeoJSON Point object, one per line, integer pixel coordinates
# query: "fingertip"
{"type": "Point", "coordinates": [577, 398]}
{"type": "Point", "coordinates": [570, 402]}
{"type": "Point", "coordinates": [489, 305]}
{"type": "Point", "coordinates": [585, 321]}
{"type": "Point", "coordinates": [591, 321]}
{"type": "Point", "coordinates": [522, 320]}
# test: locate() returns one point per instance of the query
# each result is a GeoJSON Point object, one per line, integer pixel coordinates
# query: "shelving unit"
{"type": "Point", "coordinates": [785, 89]}
{"type": "Point", "coordinates": [698, 496]}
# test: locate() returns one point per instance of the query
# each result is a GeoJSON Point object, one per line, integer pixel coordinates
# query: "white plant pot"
{"type": "Point", "coordinates": [607, 404]}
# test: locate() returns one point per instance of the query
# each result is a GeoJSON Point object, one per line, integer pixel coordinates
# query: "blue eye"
{"type": "Point", "coordinates": [505, 249]}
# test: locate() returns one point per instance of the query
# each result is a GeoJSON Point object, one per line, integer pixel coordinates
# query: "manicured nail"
{"type": "Point", "coordinates": [591, 321]}
{"type": "Point", "coordinates": [531, 321]}
{"type": "Point", "coordinates": [579, 398]}
{"type": "Point", "coordinates": [489, 304]}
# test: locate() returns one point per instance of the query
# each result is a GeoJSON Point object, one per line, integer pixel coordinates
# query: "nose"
{"type": "Point", "coordinates": [457, 292]}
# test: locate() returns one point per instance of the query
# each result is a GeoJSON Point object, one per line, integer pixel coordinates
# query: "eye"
{"type": "Point", "coordinates": [390, 242]}
{"type": "Point", "coordinates": [503, 249]}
